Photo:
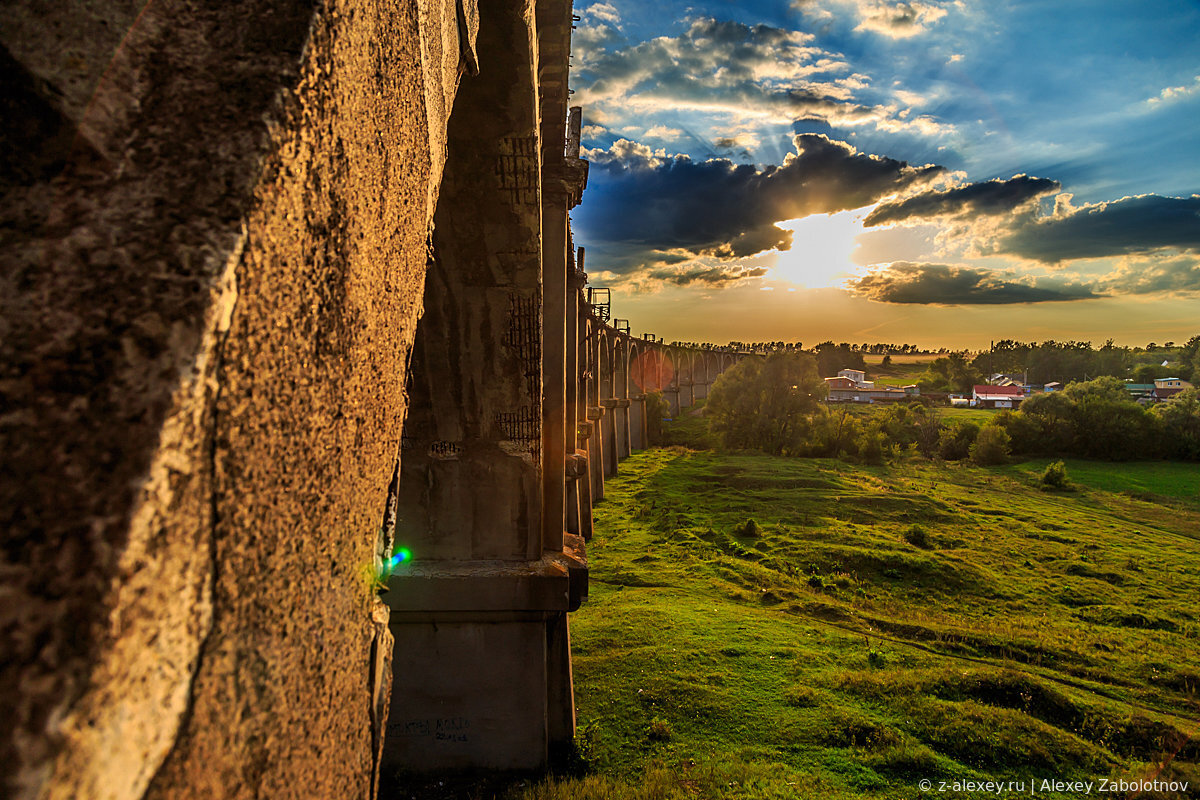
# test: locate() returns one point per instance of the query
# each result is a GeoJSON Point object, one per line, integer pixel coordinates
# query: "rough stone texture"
{"type": "Point", "coordinates": [214, 223]}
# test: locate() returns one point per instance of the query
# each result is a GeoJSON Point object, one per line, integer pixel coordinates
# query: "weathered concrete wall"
{"type": "Point", "coordinates": [482, 667]}
{"type": "Point", "coordinates": [215, 223]}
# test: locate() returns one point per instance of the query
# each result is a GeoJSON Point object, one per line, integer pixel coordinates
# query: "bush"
{"type": "Point", "coordinates": [917, 537]}
{"type": "Point", "coordinates": [871, 446]}
{"type": "Point", "coordinates": [990, 446]}
{"type": "Point", "coordinates": [659, 730]}
{"type": "Point", "coordinates": [749, 530]}
{"type": "Point", "coordinates": [833, 434]}
{"type": "Point", "coordinates": [954, 443]}
{"type": "Point", "coordinates": [656, 410]}
{"type": "Point", "coordinates": [1024, 432]}
{"type": "Point", "coordinates": [1055, 476]}
{"type": "Point", "coordinates": [876, 658]}
{"type": "Point", "coordinates": [801, 697]}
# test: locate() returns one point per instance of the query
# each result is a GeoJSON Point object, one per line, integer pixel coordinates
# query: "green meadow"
{"type": "Point", "coordinates": [765, 627]}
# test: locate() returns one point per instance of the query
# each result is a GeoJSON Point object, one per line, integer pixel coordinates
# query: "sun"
{"type": "Point", "coordinates": [821, 249]}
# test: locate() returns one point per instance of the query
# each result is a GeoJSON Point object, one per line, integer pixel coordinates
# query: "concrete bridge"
{"type": "Point", "coordinates": [494, 501]}
{"type": "Point", "coordinates": [223, 428]}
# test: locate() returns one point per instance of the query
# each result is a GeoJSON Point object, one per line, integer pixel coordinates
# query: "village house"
{"type": "Point", "coordinates": [987, 396]}
{"type": "Point", "coordinates": [858, 376]}
{"type": "Point", "coordinates": [1141, 392]}
{"type": "Point", "coordinates": [851, 386]}
{"type": "Point", "coordinates": [1165, 388]}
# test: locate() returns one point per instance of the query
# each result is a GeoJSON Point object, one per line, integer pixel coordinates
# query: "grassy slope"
{"type": "Point", "coordinates": [1048, 635]}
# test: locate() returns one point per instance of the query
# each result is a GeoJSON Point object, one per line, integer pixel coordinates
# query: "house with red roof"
{"type": "Point", "coordinates": [988, 396]}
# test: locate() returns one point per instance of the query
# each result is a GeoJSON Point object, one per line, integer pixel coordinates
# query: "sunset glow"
{"type": "Point", "coordinates": [977, 170]}
{"type": "Point", "coordinates": [822, 245]}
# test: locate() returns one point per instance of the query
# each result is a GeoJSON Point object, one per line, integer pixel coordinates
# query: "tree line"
{"type": "Point", "coordinates": [775, 405]}
{"type": "Point", "coordinates": [1062, 362]}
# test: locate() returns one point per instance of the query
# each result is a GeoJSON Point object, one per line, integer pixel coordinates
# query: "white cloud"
{"type": "Point", "coordinates": [738, 76]}
{"type": "Point", "coordinates": [593, 131]}
{"type": "Point", "coordinates": [895, 20]}
{"type": "Point", "coordinates": [663, 132]}
{"type": "Point", "coordinates": [606, 13]}
{"type": "Point", "coordinates": [1175, 93]}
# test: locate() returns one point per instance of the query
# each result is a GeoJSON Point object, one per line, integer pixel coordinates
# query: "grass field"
{"type": "Point", "coordinates": [1153, 480]}
{"type": "Point", "coordinates": [876, 626]}
{"type": "Point", "coordinates": [902, 371]}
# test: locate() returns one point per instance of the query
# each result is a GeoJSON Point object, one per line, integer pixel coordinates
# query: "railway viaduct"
{"type": "Point", "coordinates": [264, 534]}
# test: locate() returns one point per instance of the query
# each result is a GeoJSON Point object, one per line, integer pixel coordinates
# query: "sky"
{"type": "Point", "coordinates": [937, 172]}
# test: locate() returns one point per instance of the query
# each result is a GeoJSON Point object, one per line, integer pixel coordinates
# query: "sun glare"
{"type": "Point", "coordinates": [821, 248]}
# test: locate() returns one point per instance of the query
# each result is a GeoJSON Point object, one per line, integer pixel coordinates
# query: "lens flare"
{"type": "Point", "coordinates": [401, 556]}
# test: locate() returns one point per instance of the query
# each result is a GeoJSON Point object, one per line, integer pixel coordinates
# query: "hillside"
{"type": "Point", "coordinates": [876, 626]}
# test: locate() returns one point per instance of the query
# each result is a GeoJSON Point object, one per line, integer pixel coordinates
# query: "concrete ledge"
{"type": "Point", "coordinates": [576, 465]}
{"type": "Point", "coordinates": [595, 412]}
{"type": "Point", "coordinates": [615, 402]}
{"type": "Point", "coordinates": [480, 586]}
{"type": "Point", "coordinates": [574, 558]}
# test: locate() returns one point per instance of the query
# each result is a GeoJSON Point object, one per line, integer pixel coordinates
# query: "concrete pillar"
{"type": "Point", "coordinates": [554, 363]}
{"type": "Point", "coordinates": [573, 413]}
{"type": "Point", "coordinates": [671, 395]}
{"type": "Point", "coordinates": [608, 428]}
{"type": "Point", "coordinates": [481, 674]}
{"type": "Point", "coordinates": [470, 483]}
{"type": "Point", "coordinates": [624, 447]}
{"type": "Point", "coordinates": [687, 397]}
{"type": "Point", "coordinates": [576, 479]}
{"type": "Point", "coordinates": [596, 446]}
{"type": "Point", "coordinates": [637, 422]}
{"type": "Point", "coordinates": [559, 687]}
{"type": "Point", "coordinates": [584, 484]}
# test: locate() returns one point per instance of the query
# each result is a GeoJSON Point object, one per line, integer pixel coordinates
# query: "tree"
{"type": "Point", "coordinates": [834, 357]}
{"type": "Point", "coordinates": [1189, 359]}
{"type": "Point", "coordinates": [950, 373]}
{"type": "Point", "coordinates": [990, 446]}
{"type": "Point", "coordinates": [1053, 429]}
{"type": "Point", "coordinates": [1179, 419]}
{"type": "Point", "coordinates": [1146, 373]}
{"type": "Point", "coordinates": [768, 403]}
{"type": "Point", "coordinates": [1108, 423]}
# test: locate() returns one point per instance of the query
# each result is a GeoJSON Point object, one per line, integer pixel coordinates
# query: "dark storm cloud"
{"type": "Point", "coordinates": [713, 276]}
{"type": "Point", "coordinates": [653, 203]}
{"type": "Point", "coordinates": [988, 197]}
{"type": "Point", "coordinates": [943, 284]}
{"type": "Point", "coordinates": [1130, 225]}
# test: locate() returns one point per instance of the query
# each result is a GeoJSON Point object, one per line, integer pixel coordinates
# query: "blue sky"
{"type": "Point", "coordinates": [940, 172]}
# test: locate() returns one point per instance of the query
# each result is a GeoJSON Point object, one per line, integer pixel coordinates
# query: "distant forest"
{"type": "Point", "coordinates": [1032, 362]}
